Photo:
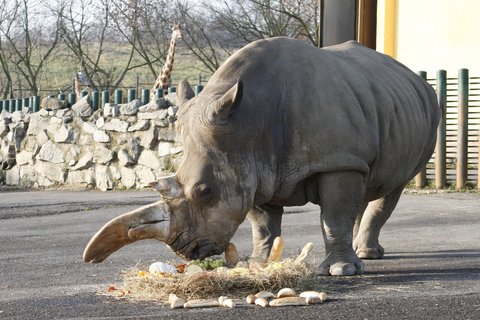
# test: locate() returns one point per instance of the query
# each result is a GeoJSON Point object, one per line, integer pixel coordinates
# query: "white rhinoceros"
{"type": "Point", "coordinates": [283, 123]}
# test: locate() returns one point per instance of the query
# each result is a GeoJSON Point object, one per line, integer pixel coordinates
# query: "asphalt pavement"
{"type": "Point", "coordinates": [431, 269]}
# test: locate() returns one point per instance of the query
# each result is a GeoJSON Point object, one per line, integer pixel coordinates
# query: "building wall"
{"type": "Point", "coordinates": [431, 34]}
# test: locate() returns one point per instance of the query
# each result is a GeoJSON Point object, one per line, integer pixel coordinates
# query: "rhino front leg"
{"type": "Point", "coordinates": [266, 223]}
{"type": "Point", "coordinates": [341, 196]}
{"type": "Point", "coordinates": [366, 243]}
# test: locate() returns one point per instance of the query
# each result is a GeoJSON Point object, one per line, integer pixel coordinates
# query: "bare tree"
{"type": "Point", "coordinates": [250, 20]}
{"type": "Point", "coordinates": [28, 40]}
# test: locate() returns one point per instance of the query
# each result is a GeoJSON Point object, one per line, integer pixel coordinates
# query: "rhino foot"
{"type": "Point", "coordinates": [370, 253]}
{"type": "Point", "coordinates": [365, 251]}
{"type": "Point", "coordinates": [341, 268]}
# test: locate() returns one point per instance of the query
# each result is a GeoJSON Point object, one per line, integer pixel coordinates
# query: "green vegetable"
{"type": "Point", "coordinates": [209, 263]}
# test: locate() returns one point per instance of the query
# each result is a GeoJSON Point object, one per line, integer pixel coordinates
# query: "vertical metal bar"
{"type": "Point", "coordinates": [158, 93]}
{"type": "Point", "coordinates": [172, 89]}
{"type": "Point", "coordinates": [198, 89]}
{"type": "Point", "coordinates": [19, 104]}
{"type": "Point", "coordinates": [462, 133]}
{"type": "Point", "coordinates": [145, 96]}
{"type": "Point", "coordinates": [131, 95]}
{"type": "Point", "coordinates": [12, 105]}
{"type": "Point", "coordinates": [72, 98]}
{"type": "Point", "coordinates": [1, 105]}
{"type": "Point", "coordinates": [6, 105]}
{"type": "Point", "coordinates": [61, 96]}
{"type": "Point", "coordinates": [26, 103]}
{"type": "Point", "coordinates": [118, 96]}
{"type": "Point", "coordinates": [421, 177]}
{"type": "Point", "coordinates": [83, 93]}
{"type": "Point", "coordinates": [441, 147]}
{"type": "Point", "coordinates": [36, 103]}
{"type": "Point", "coordinates": [105, 97]}
{"type": "Point", "coordinates": [95, 100]}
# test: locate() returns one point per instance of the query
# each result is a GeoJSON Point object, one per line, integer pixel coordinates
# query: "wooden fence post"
{"type": "Point", "coordinates": [441, 147]}
{"type": "Point", "coordinates": [462, 133]}
{"type": "Point", "coordinates": [421, 177]}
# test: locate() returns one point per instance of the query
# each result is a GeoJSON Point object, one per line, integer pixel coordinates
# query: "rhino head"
{"type": "Point", "coordinates": [203, 204]}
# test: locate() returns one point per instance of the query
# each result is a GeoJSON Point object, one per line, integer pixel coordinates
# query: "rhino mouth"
{"type": "Point", "coordinates": [197, 249]}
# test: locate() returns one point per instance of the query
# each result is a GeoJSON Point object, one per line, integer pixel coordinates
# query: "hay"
{"type": "Point", "coordinates": [141, 285]}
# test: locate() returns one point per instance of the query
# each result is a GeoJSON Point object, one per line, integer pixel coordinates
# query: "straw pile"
{"type": "Point", "coordinates": [235, 282]}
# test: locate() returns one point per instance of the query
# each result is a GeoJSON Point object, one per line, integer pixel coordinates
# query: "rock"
{"type": "Point", "coordinates": [172, 111]}
{"type": "Point", "coordinates": [130, 108]}
{"type": "Point", "coordinates": [159, 114]}
{"type": "Point", "coordinates": [116, 125]}
{"type": "Point", "coordinates": [288, 301]}
{"type": "Point", "coordinates": [286, 292]}
{"type": "Point", "coordinates": [17, 116]}
{"type": "Point", "coordinates": [49, 104]}
{"type": "Point", "coordinates": [51, 153]}
{"type": "Point", "coordinates": [100, 122]}
{"type": "Point", "coordinates": [167, 148]}
{"type": "Point", "coordinates": [62, 113]}
{"type": "Point", "coordinates": [24, 157]}
{"type": "Point", "coordinates": [52, 171]}
{"type": "Point", "coordinates": [102, 154]}
{"type": "Point", "coordinates": [12, 176]}
{"type": "Point", "coordinates": [101, 136]}
{"type": "Point", "coordinates": [4, 129]}
{"type": "Point", "coordinates": [103, 180]}
{"type": "Point", "coordinates": [128, 177]}
{"type": "Point", "coordinates": [171, 99]}
{"type": "Point", "coordinates": [313, 296]}
{"type": "Point", "coordinates": [82, 107]}
{"type": "Point", "coordinates": [140, 125]}
{"type": "Point", "coordinates": [42, 137]}
{"type": "Point", "coordinates": [149, 159]}
{"type": "Point", "coordinates": [36, 124]}
{"type": "Point", "coordinates": [149, 138]}
{"type": "Point", "coordinates": [89, 127]}
{"type": "Point", "coordinates": [28, 176]}
{"type": "Point", "coordinates": [63, 135]}
{"type": "Point", "coordinates": [81, 177]}
{"type": "Point", "coordinates": [84, 162]}
{"type": "Point", "coordinates": [124, 158]}
{"type": "Point", "coordinates": [114, 110]}
{"type": "Point", "coordinates": [145, 176]}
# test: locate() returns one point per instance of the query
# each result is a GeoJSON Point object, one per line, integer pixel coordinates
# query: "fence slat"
{"type": "Point", "coordinates": [462, 129]}
{"type": "Point", "coordinates": [421, 177]}
{"type": "Point", "coordinates": [441, 147]}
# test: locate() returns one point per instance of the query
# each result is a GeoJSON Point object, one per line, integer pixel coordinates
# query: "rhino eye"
{"type": "Point", "coordinates": [204, 193]}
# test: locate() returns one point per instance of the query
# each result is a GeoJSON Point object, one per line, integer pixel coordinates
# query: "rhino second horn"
{"type": "Point", "coordinates": [168, 187]}
{"type": "Point", "coordinates": [148, 222]}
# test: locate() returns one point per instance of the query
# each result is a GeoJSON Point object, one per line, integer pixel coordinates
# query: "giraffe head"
{"type": "Point", "coordinates": [177, 30]}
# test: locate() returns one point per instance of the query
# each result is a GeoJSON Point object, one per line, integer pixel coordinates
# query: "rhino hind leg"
{"type": "Point", "coordinates": [341, 197]}
{"type": "Point", "coordinates": [366, 243]}
{"type": "Point", "coordinates": [266, 223]}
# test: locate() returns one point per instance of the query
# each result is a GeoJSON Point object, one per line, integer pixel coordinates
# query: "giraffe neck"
{"type": "Point", "coordinates": [162, 80]}
{"type": "Point", "coordinates": [77, 88]}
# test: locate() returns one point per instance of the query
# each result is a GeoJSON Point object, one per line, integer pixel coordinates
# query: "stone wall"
{"type": "Point", "coordinates": [121, 146]}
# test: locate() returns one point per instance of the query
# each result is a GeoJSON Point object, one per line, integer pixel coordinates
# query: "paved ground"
{"type": "Point", "coordinates": [431, 270]}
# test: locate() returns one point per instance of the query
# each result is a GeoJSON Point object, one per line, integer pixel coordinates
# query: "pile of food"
{"type": "Point", "coordinates": [229, 282]}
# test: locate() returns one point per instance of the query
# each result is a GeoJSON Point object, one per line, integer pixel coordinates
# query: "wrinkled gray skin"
{"type": "Point", "coordinates": [282, 123]}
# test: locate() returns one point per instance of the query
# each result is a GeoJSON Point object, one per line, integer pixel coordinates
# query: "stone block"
{"type": "Point", "coordinates": [116, 125]}
{"type": "Point", "coordinates": [102, 154]}
{"type": "Point", "coordinates": [128, 177]}
{"type": "Point", "coordinates": [82, 107]}
{"type": "Point", "coordinates": [149, 159]}
{"type": "Point", "coordinates": [101, 136]}
{"type": "Point", "coordinates": [51, 153]}
{"type": "Point", "coordinates": [52, 171]}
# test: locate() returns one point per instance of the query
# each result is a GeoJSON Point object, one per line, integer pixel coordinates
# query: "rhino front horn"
{"type": "Point", "coordinates": [149, 222]}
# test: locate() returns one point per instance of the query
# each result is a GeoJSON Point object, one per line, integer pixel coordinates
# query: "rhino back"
{"type": "Point", "coordinates": [340, 108]}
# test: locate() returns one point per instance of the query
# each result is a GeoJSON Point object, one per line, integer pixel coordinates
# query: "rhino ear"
{"type": "Point", "coordinates": [184, 92]}
{"type": "Point", "coordinates": [222, 108]}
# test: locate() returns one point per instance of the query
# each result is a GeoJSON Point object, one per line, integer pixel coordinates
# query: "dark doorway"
{"type": "Point", "coordinates": [344, 20]}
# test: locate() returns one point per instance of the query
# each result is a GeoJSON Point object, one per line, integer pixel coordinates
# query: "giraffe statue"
{"type": "Point", "coordinates": [162, 80]}
{"type": "Point", "coordinates": [80, 79]}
